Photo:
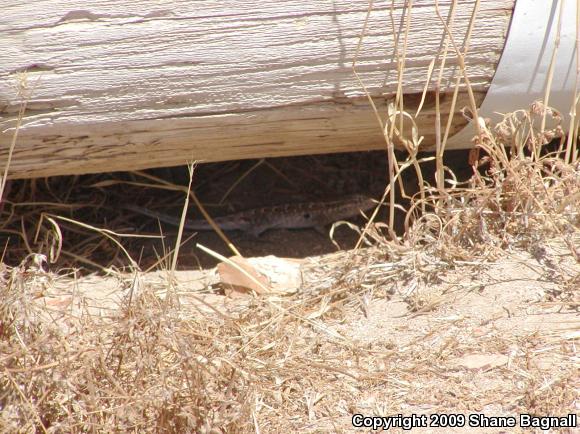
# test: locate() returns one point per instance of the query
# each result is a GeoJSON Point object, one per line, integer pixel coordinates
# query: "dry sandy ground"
{"type": "Point", "coordinates": [497, 337]}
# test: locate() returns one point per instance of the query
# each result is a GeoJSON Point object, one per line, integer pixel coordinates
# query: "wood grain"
{"type": "Point", "coordinates": [129, 85]}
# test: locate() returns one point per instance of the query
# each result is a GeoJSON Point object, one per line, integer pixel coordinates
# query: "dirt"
{"type": "Point", "coordinates": [493, 338]}
{"type": "Point", "coordinates": [370, 332]}
{"type": "Point", "coordinates": [223, 188]}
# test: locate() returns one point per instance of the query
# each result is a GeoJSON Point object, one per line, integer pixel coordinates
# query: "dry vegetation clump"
{"type": "Point", "coordinates": [307, 362]}
{"type": "Point", "coordinates": [142, 368]}
{"type": "Point", "coordinates": [522, 194]}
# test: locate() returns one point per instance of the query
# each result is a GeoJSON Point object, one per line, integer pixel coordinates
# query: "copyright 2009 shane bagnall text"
{"type": "Point", "coordinates": [458, 420]}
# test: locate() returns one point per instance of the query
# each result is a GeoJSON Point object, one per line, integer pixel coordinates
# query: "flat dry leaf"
{"type": "Point", "coordinates": [284, 274]}
{"type": "Point", "coordinates": [238, 283]}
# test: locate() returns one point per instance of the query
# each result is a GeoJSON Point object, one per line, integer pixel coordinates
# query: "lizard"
{"type": "Point", "coordinates": [256, 221]}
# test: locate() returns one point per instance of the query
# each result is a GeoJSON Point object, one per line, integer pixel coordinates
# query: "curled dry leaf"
{"type": "Point", "coordinates": [240, 277]}
{"type": "Point", "coordinates": [266, 275]}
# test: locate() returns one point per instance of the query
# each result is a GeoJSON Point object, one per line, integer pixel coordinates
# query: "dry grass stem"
{"type": "Point", "coordinates": [470, 308]}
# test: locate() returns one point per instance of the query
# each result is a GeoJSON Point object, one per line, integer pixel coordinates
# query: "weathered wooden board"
{"type": "Point", "coordinates": [135, 84]}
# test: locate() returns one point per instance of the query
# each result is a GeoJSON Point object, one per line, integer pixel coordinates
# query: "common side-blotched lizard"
{"type": "Point", "coordinates": [289, 216]}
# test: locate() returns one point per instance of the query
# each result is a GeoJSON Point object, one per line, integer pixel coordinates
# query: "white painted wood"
{"type": "Point", "coordinates": [134, 84]}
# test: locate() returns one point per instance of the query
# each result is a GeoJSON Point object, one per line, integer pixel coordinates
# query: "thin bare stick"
{"type": "Point", "coordinates": [240, 179]}
{"type": "Point", "coordinates": [190, 168]}
{"type": "Point", "coordinates": [105, 232]}
{"type": "Point", "coordinates": [398, 105]}
{"type": "Point", "coordinates": [551, 69]}
{"type": "Point", "coordinates": [461, 59]}
{"type": "Point", "coordinates": [199, 205]}
{"type": "Point", "coordinates": [572, 135]}
{"type": "Point", "coordinates": [439, 146]}
{"type": "Point", "coordinates": [234, 265]}
{"type": "Point", "coordinates": [355, 59]}
{"type": "Point", "coordinates": [26, 95]}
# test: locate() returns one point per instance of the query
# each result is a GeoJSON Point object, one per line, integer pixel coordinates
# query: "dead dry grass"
{"type": "Point", "coordinates": [378, 334]}
{"type": "Point", "coordinates": [474, 309]}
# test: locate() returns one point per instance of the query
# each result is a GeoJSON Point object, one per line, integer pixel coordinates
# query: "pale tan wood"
{"type": "Point", "coordinates": [129, 85]}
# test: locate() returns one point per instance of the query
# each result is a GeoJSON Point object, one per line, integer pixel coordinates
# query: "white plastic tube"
{"type": "Point", "coordinates": [522, 73]}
